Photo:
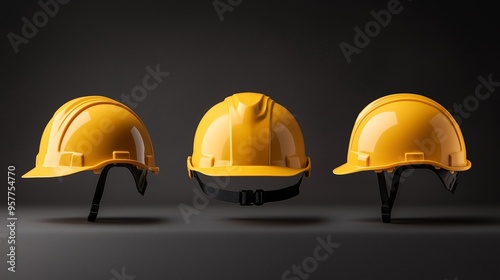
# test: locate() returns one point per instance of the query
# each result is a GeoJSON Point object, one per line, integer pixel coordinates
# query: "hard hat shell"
{"type": "Point", "coordinates": [248, 134]}
{"type": "Point", "coordinates": [404, 129]}
{"type": "Point", "coordinates": [90, 132]}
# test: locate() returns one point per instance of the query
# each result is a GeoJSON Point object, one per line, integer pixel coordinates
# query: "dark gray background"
{"type": "Point", "coordinates": [288, 50]}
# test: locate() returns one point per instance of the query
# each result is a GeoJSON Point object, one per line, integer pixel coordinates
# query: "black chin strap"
{"type": "Point", "coordinates": [140, 182]}
{"type": "Point", "coordinates": [249, 197]}
{"type": "Point", "coordinates": [449, 180]}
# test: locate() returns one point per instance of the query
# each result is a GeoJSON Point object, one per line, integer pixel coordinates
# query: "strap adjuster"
{"type": "Point", "coordinates": [250, 197]}
{"type": "Point", "coordinates": [93, 213]}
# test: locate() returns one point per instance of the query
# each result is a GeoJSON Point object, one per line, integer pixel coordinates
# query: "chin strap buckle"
{"type": "Point", "coordinates": [250, 197]}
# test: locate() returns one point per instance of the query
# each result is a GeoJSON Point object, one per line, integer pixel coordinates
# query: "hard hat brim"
{"type": "Point", "coordinates": [348, 168]}
{"type": "Point", "coordinates": [49, 172]}
{"type": "Point", "coordinates": [59, 171]}
{"type": "Point", "coordinates": [250, 170]}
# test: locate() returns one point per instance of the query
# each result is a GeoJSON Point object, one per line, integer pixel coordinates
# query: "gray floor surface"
{"type": "Point", "coordinates": [269, 242]}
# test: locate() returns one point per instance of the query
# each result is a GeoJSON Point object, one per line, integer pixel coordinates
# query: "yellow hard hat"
{"type": "Point", "coordinates": [248, 134]}
{"type": "Point", "coordinates": [406, 130]}
{"type": "Point", "coordinates": [92, 132]}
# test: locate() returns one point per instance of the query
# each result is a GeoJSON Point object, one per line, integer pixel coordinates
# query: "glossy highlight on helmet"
{"type": "Point", "coordinates": [404, 129]}
{"type": "Point", "coordinates": [248, 134]}
{"type": "Point", "coordinates": [90, 132]}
